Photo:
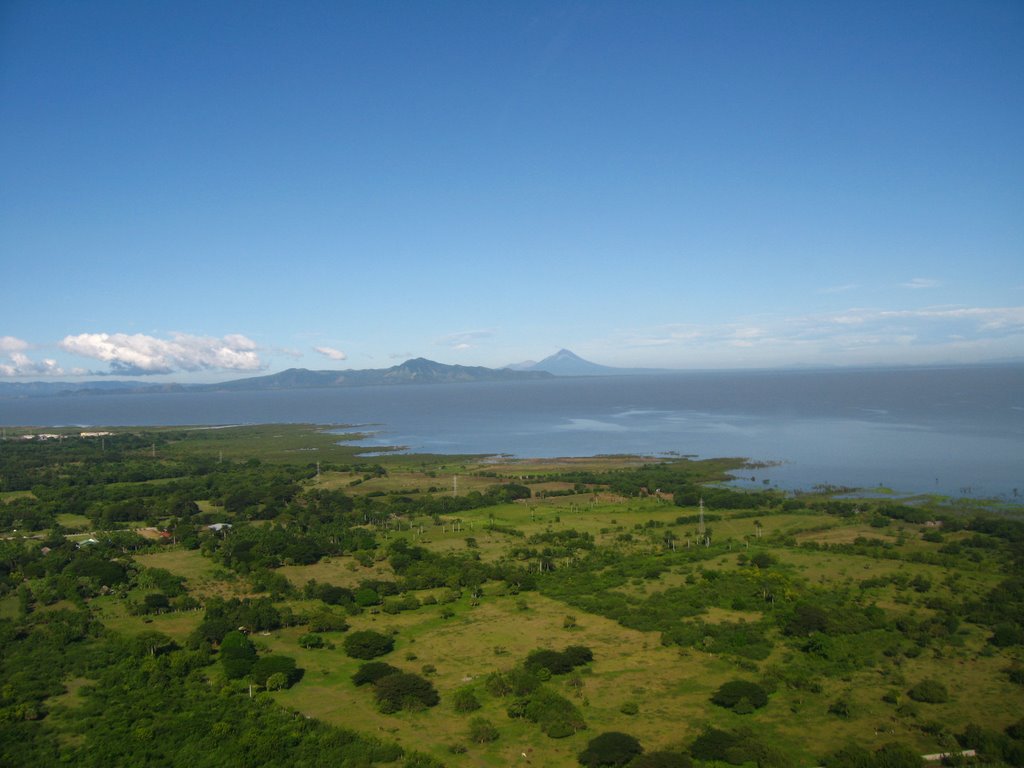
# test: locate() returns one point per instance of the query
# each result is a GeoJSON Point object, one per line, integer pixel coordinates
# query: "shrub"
{"type": "Point", "coordinates": [368, 644]}
{"type": "Point", "coordinates": [851, 756]}
{"type": "Point", "coordinates": [366, 597]}
{"type": "Point", "coordinates": [419, 760]}
{"type": "Point", "coordinates": [277, 681]}
{"type": "Point", "coordinates": [373, 671]}
{"type": "Point", "coordinates": [1004, 635]}
{"type": "Point", "coordinates": [929, 692]}
{"type": "Point", "coordinates": [404, 690]}
{"type": "Point", "coordinates": [735, 692]}
{"type": "Point", "coordinates": [482, 731]}
{"type": "Point", "coordinates": [464, 700]}
{"type": "Point", "coordinates": [559, 730]}
{"type": "Point", "coordinates": [629, 708]}
{"type": "Point", "coordinates": [518, 682]}
{"type": "Point", "coordinates": [840, 708]}
{"type": "Point", "coordinates": [610, 749]}
{"type": "Point", "coordinates": [893, 755]}
{"type": "Point", "coordinates": [578, 655]}
{"type": "Point", "coordinates": [555, 714]}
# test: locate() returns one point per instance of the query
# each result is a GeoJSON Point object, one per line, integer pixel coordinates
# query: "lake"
{"type": "Point", "coordinates": [956, 430]}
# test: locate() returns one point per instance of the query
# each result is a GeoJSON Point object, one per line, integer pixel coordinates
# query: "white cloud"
{"type": "Point", "coordinates": [850, 336]}
{"type": "Point", "coordinates": [331, 352]}
{"type": "Point", "coordinates": [922, 282]}
{"type": "Point", "coordinates": [138, 353]}
{"type": "Point", "coordinates": [9, 344]}
{"type": "Point", "coordinates": [14, 361]}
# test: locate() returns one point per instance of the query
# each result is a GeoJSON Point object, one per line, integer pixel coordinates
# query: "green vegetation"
{"type": "Point", "coordinates": [611, 749]}
{"type": "Point", "coordinates": [368, 644]}
{"type": "Point", "coordinates": [181, 596]}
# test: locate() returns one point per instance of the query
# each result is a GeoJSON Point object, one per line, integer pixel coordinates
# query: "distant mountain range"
{"type": "Point", "coordinates": [415, 371]}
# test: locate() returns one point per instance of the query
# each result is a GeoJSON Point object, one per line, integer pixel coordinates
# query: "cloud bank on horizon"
{"type": "Point", "coordinates": [670, 185]}
{"type": "Point", "coordinates": [856, 336]}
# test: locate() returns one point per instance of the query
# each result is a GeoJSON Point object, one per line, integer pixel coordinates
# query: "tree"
{"type": "Point", "coordinates": [612, 749]}
{"type": "Point", "coordinates": [326, 621]}
{"type": "Point", "coordinates": [274, 664]}
{"type": "Point", "coordinates": [404, 690]}
{"type": "Point", "coordinates": [156, 602]}
{"type": "Point", "coordinates": [311, 640]}
{"type": "Point", "coordinates": [373, 671]}
{"type": "Point", "coordinates": [237, 654]}
{"type": "Point", "coordinates": [368, 644]}
{"type": "Point", "coordinates": [763, 560]}
{"type": "Point", "coordinates": [152, 643]}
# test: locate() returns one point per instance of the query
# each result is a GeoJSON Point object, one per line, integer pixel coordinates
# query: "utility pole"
{"type": "Point", "coordinates": [700, 524]}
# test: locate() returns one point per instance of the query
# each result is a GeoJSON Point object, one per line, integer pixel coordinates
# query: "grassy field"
{"type": "Point", "coordinates": [670, 685]}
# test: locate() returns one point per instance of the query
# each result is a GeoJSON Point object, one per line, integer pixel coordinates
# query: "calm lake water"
{"type": "Point", "coordinates": [957, 430]}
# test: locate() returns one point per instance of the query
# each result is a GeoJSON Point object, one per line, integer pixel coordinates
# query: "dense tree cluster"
{"type": "Point", "coordinates": [367, 644]}
{"type": "Point", "coordinates": [148, 703]}
{"type": "Point", "coordinates": [741, 696]}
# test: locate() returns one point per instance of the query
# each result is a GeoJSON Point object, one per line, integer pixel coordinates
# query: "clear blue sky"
{"type": "Point", "coordinates": [205, 190]}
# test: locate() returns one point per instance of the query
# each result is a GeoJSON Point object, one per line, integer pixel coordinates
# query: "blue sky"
{"type": "Point", "coordinates": [206, 190]}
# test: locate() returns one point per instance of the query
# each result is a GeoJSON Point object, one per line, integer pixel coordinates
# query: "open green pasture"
{"type": "Point", "coordinates": [493, 636]}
